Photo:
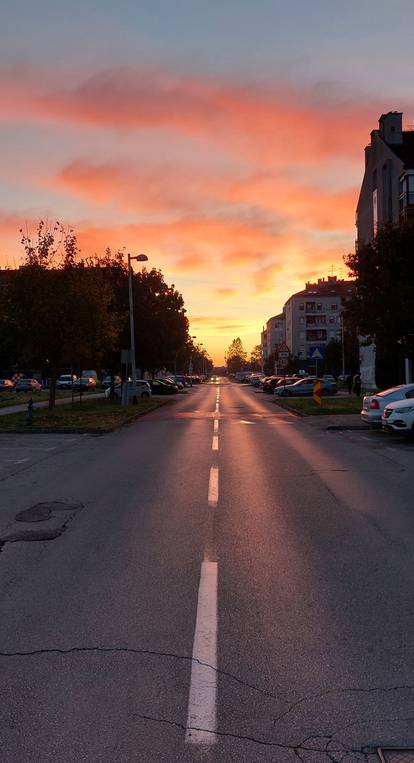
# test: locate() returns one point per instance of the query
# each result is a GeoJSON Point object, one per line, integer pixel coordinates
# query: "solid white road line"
{"type": "Point", "coordinates": [202, 717]}
{"type": "Point", "coordinates": [213, 487]}
{"type": "Point", "coordinates": [216, 426]}
{"type": "Point", "coordinates": [215, 442]}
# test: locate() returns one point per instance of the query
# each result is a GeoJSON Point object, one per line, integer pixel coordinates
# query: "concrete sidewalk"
{"type": "Point", "coordinates": [350, 421]}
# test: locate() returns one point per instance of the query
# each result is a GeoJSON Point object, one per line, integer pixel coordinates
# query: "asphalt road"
{"type": "Point", "coordinates": [218, 582]}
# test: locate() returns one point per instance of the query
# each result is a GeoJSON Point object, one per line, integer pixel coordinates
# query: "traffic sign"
{"type": "Point", "coordinates": [317, 352]}
{"type": "Point", "coordinates": [283, 348]}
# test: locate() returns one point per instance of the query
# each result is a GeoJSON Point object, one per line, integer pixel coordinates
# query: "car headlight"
{"type": "Point", "coordinates": [403, 410]}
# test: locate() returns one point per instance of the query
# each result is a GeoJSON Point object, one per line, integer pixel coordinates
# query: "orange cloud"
{"type": "Point", "coordinates": [177, 190]}
{"type": "Point", "coordinates": [225, 293]}
{"type": "Point", "coordinates": [269, 123]}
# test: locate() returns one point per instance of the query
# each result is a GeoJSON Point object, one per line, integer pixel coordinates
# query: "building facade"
{"type": "Point", "coordinates": [314, 318]}
{"type": "Point", "coordinates": [272, 335]}
{"type": "Point", "coordinates": [386, 196]}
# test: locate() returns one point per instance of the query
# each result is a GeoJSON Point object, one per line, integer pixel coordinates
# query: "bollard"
{"type": "Point", "coordinates": [29, 413]}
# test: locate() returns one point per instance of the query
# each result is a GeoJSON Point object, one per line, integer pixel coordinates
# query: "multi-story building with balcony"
{"type": "Point", "coordinates": [314, 317]}
{"type": "Point", "coordinates": [386, 196]}
{"type": "Point", "coordinates": [272, 335]}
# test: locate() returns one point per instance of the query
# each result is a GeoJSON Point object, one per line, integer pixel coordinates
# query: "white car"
{"type": "Point", "coordinates": [399, 416]}
{"type": "Point", "coordinates": [373, 405]}
{"type": "Point", "coordinates": [141, 388]}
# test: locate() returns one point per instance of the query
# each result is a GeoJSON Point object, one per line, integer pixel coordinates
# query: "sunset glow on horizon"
{"type": "Point", "coordinates": [216, 141]}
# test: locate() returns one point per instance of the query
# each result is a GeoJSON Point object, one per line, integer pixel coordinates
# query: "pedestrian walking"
{"type": "Point", "coordinates": [349, 383]}
{"type": "Point", "coordinates": [357, 385]}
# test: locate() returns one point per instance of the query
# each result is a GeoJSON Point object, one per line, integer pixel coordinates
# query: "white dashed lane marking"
{"type": "Point", "coordinates": [201, 719]}
{"type": "Point", "coordinates": [213, 487]}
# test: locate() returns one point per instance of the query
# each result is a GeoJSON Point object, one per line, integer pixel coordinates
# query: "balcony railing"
{"type": "Point", "coordinates": [406, 200]}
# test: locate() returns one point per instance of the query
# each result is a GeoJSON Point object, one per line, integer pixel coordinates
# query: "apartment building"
{"type": "Point", "coordinates": [272, 335]}
{"type": "Point", "coordinates": [314, 317]}
{"type": "Point", "coordinates": [386, 196]}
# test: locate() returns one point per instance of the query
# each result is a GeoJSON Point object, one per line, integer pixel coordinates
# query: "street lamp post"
{"type": "Point", "coordinates": [190, 365]}
{"type": "Point", "coordinates": [343, 346]}
{"type": "Point", "coordinates": [139, 258]}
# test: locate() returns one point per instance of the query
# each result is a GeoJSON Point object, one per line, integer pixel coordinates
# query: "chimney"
{"type": "Point", "coordinates": [390, 128]}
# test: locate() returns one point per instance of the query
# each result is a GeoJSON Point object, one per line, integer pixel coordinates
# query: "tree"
{"type": "Point", "coordinates": [235, 356]}
{"type": "Point", "coordinates": [57, 307]}
{"type": "Point", "coordinates": [382, 308]}
{"type": "Point", "coordinates": [256, 358]}
{"type": "Point", "coordinates": [161, 324]}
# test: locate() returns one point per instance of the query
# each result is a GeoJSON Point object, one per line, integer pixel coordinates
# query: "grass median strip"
{"type": "Point", "coordinates": [91, 415]}
{"type": "Point", "coordinates": [22, 398]}
{"type": "Point", "coordinates": [305, 406]}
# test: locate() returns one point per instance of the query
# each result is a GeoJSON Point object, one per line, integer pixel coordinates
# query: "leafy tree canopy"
{"type": "Point", "coordinates": [383, 306]}
{"type": "Point", "coordinates": [236, 356]}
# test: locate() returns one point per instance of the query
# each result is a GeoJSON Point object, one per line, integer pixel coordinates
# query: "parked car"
{"type": "Point", "coordinates": [399, 416]}
{"type": "Point", "coordinates": [65, 381]}
{"type": "Point", "coordinates": [329, 378]}
{"type": "Point", "coordinates": [171, 380]}
{"type": "Point", "coordinates": [27, 385]}
{"type": "Point", "coordinates": [159, 387]}
{"type": "Point", "coordinates": [6, 385]}
{"type": "Point", "coordinates": [106, 381]}
{"type": "Point", "coordinates": [286, 380]}
{"type": "Point", "coordinates": [181, 378]}
{"type": "Point", "coordinates": [373, 405]}
{"type": "Point", "coordinates": [141, 388]}
{"type": "Point", "coordinates": [256, 380]}
{"type": "Point", "coordinates": [304, 388]}
{"type": "Point", "coordinates": [270, 383]}
{"type": "Point", "coordinates": [85, 382]}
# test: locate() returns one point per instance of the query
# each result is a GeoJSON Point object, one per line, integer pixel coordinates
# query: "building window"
{"type": "Point", "coordinates": [316, 335]}
{"type": "Point", "coordinates": [310, 306]}
{"type": "Point", "coordinates": [375, 211]}
{"type": "Point", "coordinates": [301, 320]}
{"type": "Point", "coordinates": [332, 319]}
{"type": "Point", "coordinates": [319, 306]}
{"type": "Point", "coordinates": [334, 306]}
{"type": "Point", "coordinates": [301, 306]}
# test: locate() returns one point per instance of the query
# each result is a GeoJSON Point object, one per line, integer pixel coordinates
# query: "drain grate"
{"type": "Point", "coordinates": [395, 756]}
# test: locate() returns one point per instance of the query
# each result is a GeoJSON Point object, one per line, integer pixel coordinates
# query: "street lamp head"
{"type": "Point", "coordinates": [139, 257]}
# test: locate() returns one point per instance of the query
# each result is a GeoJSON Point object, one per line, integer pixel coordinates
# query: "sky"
{"type": "Point", "coordinates": [222, 138]}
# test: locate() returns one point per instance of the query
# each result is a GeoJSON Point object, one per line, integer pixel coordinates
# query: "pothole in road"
{"type": "Point", "coordinates": [395, 756]}
{"type": "Point", "coordinates": [42, 512]}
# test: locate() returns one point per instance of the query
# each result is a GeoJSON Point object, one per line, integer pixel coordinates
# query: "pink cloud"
{"type": "Point", "coordinates": [282, 123]}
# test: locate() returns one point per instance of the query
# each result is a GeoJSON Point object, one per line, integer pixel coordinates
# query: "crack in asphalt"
{"type": "Point", "coordinates": [298, 748]}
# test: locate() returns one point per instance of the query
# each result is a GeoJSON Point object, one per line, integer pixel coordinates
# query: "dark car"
{"type": "Point", "coordinates": [270, 383]}
{"type": "Point", "coordinates": [159, 387]}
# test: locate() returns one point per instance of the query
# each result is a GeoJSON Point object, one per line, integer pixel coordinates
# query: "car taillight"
{"type": "Point", "coordinates": [374, 404]}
